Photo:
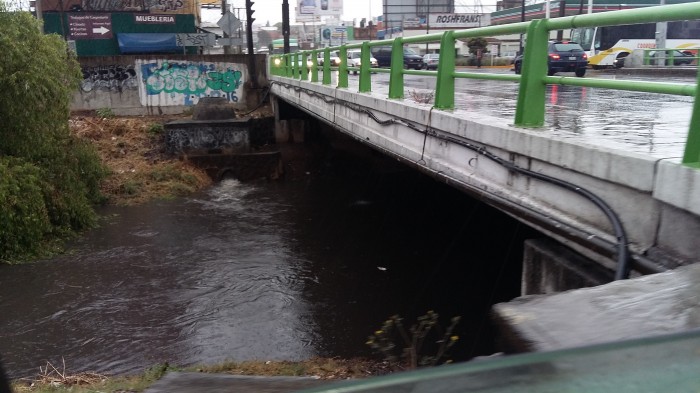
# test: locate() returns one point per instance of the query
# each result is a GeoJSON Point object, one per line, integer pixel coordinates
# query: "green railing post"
{"type": "Point", "coordinates": [445, 85]}
{"type": "Point", "coordinates": [326, 67]}
{"type": "Point", "coordinates": [529, 110]}
{"type": "Point", "coordinates": [365, 66]}
{"type": "Point", "coordinates": [396, 73]}
{"type": "Point", "coordinates": [691, 155]}
{"type": "Point", "coordinates": [314, 66]}
{"type": "Point", "coordinates": [295, 65]}
{"type": "Point", "coordinates": [288, 65]}
{"type": "Point", "coordinates": [343, 68]}
{"type": "Point", "coordinates": [304, 69]}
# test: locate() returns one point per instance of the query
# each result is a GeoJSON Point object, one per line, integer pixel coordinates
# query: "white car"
{"type": "Point", "coordinates": [354, 60]}
{"type": "Point", "coordinates": [335, 59]}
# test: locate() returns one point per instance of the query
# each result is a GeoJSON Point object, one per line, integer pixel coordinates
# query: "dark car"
{"type": "Point", "coordinates": [679, 57]}
{"type": "Point", "coordinates": [562, 57]}
{"type": "Point", "coordinates": [410, 58]}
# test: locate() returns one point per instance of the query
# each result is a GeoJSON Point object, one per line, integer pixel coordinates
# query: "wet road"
{"type": "Point", "coordinates": [644, 123]}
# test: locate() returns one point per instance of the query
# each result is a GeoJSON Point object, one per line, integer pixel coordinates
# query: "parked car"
{"type": "Point", "coordinates": [430, 61]}
{"type": "Point", "coordinates": [679, 57]}
{"type": "Point", "coordinates": [354, 60]}
{"type": "Point", "coordinates": [335, 59]}
{"type": "Point", "coordinates": [410, 58]}
{"type": "Point", "coordinates": [562, 57]}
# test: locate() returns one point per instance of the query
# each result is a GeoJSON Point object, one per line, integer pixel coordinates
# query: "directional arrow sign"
{"type": "Point", "coordinates": [229, 23]}
{"type": "Point", "coordinates": [89, 26]}
{"type": "Point", "coordinates": [100, 30]}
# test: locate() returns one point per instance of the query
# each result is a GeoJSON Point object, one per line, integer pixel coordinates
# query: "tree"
{"type": "Point", "coordinates": [50, 178]}
{"type": "Point", "coordinates": [477, 43]}
{"type": "Point", "coordinates": [264, 38]}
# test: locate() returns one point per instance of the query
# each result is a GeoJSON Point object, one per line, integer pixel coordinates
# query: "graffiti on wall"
{"type": "Point", "coordinates": [109, 78]}
{"type": "Point", "coordinates": [134, 5]}
{"type": "Point", "coordinates": [184, 82]}
{"type": "Point", "coordinates": [179, 141]}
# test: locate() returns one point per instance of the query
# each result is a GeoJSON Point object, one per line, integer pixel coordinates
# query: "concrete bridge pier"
{"type": "Point", "coordinates": [549, 267]}
{"type": "Point", "coordinates": [290, 123]}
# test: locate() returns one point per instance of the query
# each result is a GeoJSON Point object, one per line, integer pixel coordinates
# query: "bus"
{"type": "Point", "coordinates": [606, 45]}
{"type": "Point", "coordinates": [278, 46]}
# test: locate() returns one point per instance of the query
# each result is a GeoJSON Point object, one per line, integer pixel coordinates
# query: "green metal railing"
{"type": "Point", "coordinates": [668, 55]}
{"type": "Point", "coordinates": [530, 108]}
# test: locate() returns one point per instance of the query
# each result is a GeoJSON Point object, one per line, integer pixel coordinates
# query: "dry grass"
{"type": "Point", "coordinates": [50, 376]}
{"type": "Point", "coordinates": [133, 150]}
{"type": "Point", "coordinates": [323, 368]}
{"type": "Point", "coordinates": [51, 380]}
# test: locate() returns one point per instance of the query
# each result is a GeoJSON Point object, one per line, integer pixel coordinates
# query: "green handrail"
{"type": "Point", "coordinates": [530, 107]}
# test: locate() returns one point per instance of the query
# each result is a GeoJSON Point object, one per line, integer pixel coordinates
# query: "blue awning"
{"type": "Point", "coordinates": [147, 43]}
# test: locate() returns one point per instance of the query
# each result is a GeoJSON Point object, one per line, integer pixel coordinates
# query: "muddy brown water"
{"type": "Point", "coordinates": [306, 266]}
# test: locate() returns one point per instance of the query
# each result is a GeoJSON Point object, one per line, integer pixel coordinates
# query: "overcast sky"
{"type": "Point", "coordinates": [271, 10]}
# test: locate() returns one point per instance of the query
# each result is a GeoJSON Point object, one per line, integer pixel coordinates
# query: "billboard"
{"type": "Point", "coordinates": [459, 21]}
{"type": "Point", "coordinates": [319, 7]}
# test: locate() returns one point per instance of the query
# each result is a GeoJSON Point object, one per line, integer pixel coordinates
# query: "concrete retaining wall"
{"type": "Point", "coordinates": [164, 84]}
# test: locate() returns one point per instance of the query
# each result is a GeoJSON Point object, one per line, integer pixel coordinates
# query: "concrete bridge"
{"type": "Point", "coordinates": [621, 209]}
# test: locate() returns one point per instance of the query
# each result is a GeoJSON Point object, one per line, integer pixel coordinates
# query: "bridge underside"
{"type": "Point", "coordinates": [496, 162]}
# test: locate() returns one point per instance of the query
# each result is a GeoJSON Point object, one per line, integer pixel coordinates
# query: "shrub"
{"type": "Point", "coordinates": [407, 348]}
{"type": "Point", "coordinates": [24, 220]}
{"type": "Point", "coordinates": [38, 76]}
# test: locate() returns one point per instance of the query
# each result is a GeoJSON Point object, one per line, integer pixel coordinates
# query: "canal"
{"type": "Point", "coordinates": [306, 266]}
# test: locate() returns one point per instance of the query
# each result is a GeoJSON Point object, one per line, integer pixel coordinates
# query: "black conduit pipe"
{"type": "Point", "coordinates": [622, 270]}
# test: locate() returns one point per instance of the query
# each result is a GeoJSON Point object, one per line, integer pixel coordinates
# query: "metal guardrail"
{"type": "Point", "coordinates": [530, 108]}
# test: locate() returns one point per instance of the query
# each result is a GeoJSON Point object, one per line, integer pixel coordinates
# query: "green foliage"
{"type": "Point", "coordinates": [155, 129]}
{"type": "Point", "coordinates": [408, 347]}
{"type": "Point", "coordinates": [24, 220]}
{"type": "Point", "coordinates": [477, 43]}
{"type": "Point", "coordinates": [38, 76]}
{"type": "Point", "coordinates": [105, 113]}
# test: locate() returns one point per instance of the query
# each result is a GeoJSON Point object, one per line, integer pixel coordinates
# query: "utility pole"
{"type": "Point", "coordinates": [522, 19]}
{"type": "Point", "coordinates": [661, 28]}
{"type": "Point", "coordinates": [224, 9]}
{"type": "Point", "coordinates": [251, 50]}
{"type": "Point", "coordinates": [285, 25]}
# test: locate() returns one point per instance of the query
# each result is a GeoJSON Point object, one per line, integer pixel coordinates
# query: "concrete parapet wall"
{"type": "Point", "coordinates": [630, 183]}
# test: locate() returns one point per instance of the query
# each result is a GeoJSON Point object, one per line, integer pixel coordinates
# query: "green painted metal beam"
{"type": "Point", "coordinates": [343, 68]}
{"type": "Point", "coordinates": [365, 67]}
{"type": "Point", "coordinates": [326, 67]}
{"type": "Point", "coordinates": [691, 155]}
{"type": "Point", "coordinates": [529, 110]}
{"type": "Point", "coordinates": [445, 85]}
{"type": "Point", "coordinates": [396, 74]}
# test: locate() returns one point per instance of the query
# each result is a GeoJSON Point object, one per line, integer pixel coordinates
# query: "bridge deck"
{"type": "Point", "coordinates": [650, 124]}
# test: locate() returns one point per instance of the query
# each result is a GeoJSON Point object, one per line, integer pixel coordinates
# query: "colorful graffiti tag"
{"type": "Point", "coordinates": [184, 82]}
